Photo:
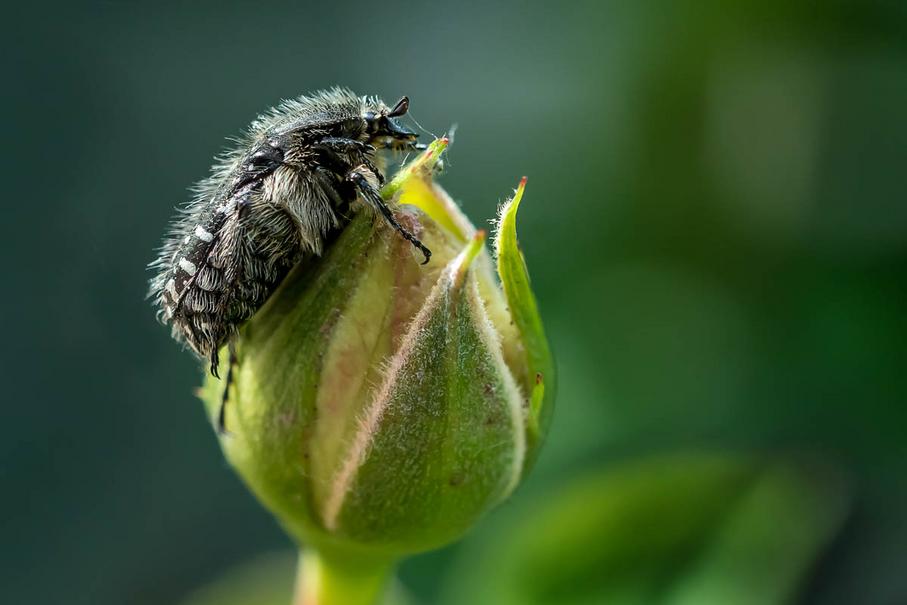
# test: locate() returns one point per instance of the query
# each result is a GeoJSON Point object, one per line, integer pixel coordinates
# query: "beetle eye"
{"type": "Point", "coordinates": [400, 108]}
{"type": "Point", "coordinates": [258, 158]}
{"type": "Point", "coordinates": [266, 157]}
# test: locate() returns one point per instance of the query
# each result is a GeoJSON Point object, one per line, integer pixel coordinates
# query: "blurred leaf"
{"type": "Point", "coordinates": [683, 529]}
{"type": "Point", "coordinates": [266, 580]}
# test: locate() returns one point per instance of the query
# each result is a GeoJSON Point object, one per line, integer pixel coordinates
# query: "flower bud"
{"type": "Point", "coordinates": [379, 406]}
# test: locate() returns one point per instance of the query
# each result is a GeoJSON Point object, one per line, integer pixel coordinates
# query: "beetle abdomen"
{"type": "Point", "coordinates": [224, 270]}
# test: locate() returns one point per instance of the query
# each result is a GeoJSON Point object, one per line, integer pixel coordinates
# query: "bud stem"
{"type": "Point", "coordinates": [335, 580]}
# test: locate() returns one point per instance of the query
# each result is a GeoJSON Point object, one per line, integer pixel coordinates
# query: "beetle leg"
{"type": "Point", "coordinates": [357, 177]}
{"type": "Point", "coordinates": [331, 148]}
{"type": "Point", "coordinates": [228, 382]}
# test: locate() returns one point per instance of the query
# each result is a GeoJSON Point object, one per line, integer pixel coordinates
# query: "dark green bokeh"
{"type": "Point", "coordinates": [715, 224]}
{"type": "Point", "coordinates": [682, 529]}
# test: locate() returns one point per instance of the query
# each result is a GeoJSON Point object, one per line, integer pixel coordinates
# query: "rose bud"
{"type": "Point", "coordinates": [379, 407]}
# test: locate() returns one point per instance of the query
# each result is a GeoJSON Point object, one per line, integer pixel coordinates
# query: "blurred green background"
{"type": "Point", "coordinates": [715, 223]}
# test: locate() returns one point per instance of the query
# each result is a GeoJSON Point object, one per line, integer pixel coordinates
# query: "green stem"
{"type": "Point", "coordinates": [335, 580]}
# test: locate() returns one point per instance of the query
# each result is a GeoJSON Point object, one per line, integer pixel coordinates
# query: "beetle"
{"type": "Point", "coordinates": [270, 203]}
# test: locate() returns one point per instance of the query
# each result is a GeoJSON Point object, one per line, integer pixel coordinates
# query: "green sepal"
{"type": "Point", "coordinates": [539, 381]}
{"type": "Point", "coordinates": [442, 441]}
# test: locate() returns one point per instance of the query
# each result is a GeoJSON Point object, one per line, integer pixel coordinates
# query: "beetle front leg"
{"type": "Point", "coordinates": [358, 178]}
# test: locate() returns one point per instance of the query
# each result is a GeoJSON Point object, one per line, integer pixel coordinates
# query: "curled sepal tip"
{"type": "Point", "coordinates": [539, 380]}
